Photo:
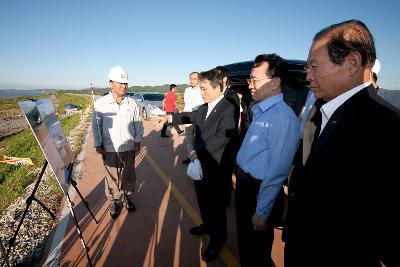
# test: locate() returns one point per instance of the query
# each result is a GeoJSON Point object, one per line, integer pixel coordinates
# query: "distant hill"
{"type": "Point", "coordinates": [160, 88]}
{"type": "Point", "coordinates": [12, 93]}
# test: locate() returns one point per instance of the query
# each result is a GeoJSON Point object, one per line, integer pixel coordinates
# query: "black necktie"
{"type": "Point", "coordinates": [317, 120]}
{"type": "Point", "coordinates": [205, 114]}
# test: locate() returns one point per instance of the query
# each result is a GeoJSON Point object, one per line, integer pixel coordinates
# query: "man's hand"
{"type": "Point", "coordinates": [161, 120]}
{"type": "Point", "coordinates": [100, 150]}
{"type": "Point", "coordinates": [136, 146]}
{"type": "Point", "coordinates": [259, 224]}
{"type": "Point", "coordinates": [193, 155]}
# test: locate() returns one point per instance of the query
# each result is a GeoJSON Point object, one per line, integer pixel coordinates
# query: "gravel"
{"type": "Point", "coordinates": [32, 236]}
{"type": "Point", "coordinates": [11, 122]}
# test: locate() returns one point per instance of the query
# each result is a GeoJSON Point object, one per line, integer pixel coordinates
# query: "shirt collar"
{"type": "Point", "coordinates": [194, 88]}
{"type": "Point", "coordinates": [267, 103]}
{"type": "Point", "coordinates": [212, 104]}
{"type": "Point", "coordinates": [111, 98]}
{"type": "Point", "coordinates": [329, 108]}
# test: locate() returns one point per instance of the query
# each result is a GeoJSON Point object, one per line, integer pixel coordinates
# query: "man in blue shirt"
{"type": "Point", "coordinates": [264, 159]}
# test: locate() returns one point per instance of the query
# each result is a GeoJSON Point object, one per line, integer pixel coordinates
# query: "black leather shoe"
{"type": "Point", "coordinates": [128, 204]}
{"type": "Point", "coordinates": [210, 254]}
{"type": "Point", "coordinates": [164, 135]}
{"type": "Point", "coordinates": [186, 161]}
{"type": "Point", "coordinates": [115, 208]}
{"type": "Point", "coordinates": [198, 230]}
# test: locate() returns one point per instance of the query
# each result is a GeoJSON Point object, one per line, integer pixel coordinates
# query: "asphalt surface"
{"type": "Point", "coordinates": [157, 233]}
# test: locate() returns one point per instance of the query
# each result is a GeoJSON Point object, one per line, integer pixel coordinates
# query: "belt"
{"type": "Point", "coordinates": [242, 174]}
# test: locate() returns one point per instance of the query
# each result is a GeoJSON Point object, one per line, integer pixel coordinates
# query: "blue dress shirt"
{"type": "Point", "coordinates": [268, 148]}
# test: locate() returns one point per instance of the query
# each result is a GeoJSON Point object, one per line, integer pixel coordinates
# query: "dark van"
{"type": "Point", "coordinates": [294, 92]}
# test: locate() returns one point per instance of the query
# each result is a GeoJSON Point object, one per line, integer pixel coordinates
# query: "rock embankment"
{"type": "Point", "coordinates": [11, 122]}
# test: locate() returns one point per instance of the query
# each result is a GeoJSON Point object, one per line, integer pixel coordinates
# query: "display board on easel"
{"type": "Point", "coordinates": [47, 129]}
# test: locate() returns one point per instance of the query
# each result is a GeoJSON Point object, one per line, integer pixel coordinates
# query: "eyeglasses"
{"type": "Point", "coordinates": [253, 81]}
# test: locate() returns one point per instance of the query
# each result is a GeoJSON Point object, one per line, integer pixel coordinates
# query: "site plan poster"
{"type": "Point", "coordinates": [50, 135]}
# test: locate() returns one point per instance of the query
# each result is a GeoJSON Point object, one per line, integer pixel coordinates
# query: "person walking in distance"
{"type": "Point", "coordinates": [117, 133]}
{"type": "Point", "coordinates": [169, 105]}
{"type": "Point", "coordinates": [193, 100]}
{"type": "Point", "coordinates": [344, 202]}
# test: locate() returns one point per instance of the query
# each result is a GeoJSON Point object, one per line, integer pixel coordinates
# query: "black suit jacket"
{"type": "Point", "coordinates": [344, 202]}
{"type": "Point", "coordinates": [232, 96]}
{"type": "Point", "coordinates": [213, 136]}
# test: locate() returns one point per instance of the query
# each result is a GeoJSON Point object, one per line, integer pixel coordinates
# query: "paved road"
{"type": "Point", "coordinates": [157, 233]}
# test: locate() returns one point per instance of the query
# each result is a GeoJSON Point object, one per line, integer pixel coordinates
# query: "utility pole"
{"type": "Point", "coordinates": [91, 87]}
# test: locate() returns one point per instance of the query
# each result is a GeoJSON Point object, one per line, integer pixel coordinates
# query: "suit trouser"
{"type": "Point", "coordinates": [189, 139]}
{"type": "Point", "coordinates": [120, 175]}
{"type": "Point", "coordinates": [212, 208]}
{"type": "Point", "coordinates": [165, 126]}
{"type": "Point", "coordinates": [254, 246]}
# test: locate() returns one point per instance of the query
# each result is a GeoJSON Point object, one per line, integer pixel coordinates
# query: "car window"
{"type": "Point", "coordinates": [137, 97]}
{"type": "Point", "coordinates": [154, 97]}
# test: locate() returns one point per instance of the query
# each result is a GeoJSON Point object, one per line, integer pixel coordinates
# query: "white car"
{"type": "Point", "coordinates": [150, 104]}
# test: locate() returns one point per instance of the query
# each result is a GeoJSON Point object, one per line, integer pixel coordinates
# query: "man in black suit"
{"type": "Point", "coordinates": [344, 202]}
{"type": "Point", "coordinates": [233, 97]}
{"type": "Point", "coordinates": [215, 125]}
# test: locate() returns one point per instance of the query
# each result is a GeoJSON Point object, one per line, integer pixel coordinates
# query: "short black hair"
{"type": "Point", "coordinates": [214, 76]}
{"type": "Point", "coordinates": [225, 73]}
{"type": "Point", "coordinates": [277, 66]}
{"type": "Point", "coordinates": [172, 86]}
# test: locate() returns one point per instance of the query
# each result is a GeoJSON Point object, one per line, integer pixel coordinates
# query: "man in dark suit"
{"type": "Point", "coordinates": [344, 202]}
{"type": "Point", "coordinates": [215, 124]}
{"type": "Point", "coordinates": [233, 97]}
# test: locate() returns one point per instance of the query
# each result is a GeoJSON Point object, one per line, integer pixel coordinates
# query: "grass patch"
{"type": "Point", "coordinates": [82, 101]}
{"type": "Point", "coordinates": [180, 100]}
{"type": "Point", "coordinates": [15, 178]}
{"type": "Point", "coordinates": [70, 122]}
{"type": "Point", "coordinates": [12, 103]}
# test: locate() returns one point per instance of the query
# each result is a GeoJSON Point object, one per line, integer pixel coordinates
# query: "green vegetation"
{"type": "Point", "coordinates": [15, 178]}
{"type": "Point", "coordinates": [69, 123]}
{"type": "Point", "coordinates": [12, 103]}
{"type": "Point", "coordinates": [62, 99]}
{"type": "Point", "coordinates": [161, 89]}
{"type": "Point", "coordinates": [180, 100]}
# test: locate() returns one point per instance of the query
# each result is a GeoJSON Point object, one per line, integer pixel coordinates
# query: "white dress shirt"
{"type": "Point", "coordinates": [192, 99]}
{"type": "Point", "coordinates": [330, 107]}
{"type": "Point", "coordinates": [212, 105]}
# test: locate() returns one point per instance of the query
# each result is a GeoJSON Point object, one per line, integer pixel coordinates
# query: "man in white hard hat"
{"type": "Point", "coordinates": [117, 132]}
{"type": "Point", "coordinates": [374, 74]}
{"type": "Point", "coordinates": [391, 96]}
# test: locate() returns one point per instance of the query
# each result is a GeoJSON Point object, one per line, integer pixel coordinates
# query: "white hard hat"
{"type": "Point", "coordinates": [118, 74]}
{"type": "Point", "coordinates": [377, 67]}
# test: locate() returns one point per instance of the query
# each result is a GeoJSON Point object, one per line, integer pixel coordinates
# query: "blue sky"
{"type": "Point", "coordinates": [68, 44]}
